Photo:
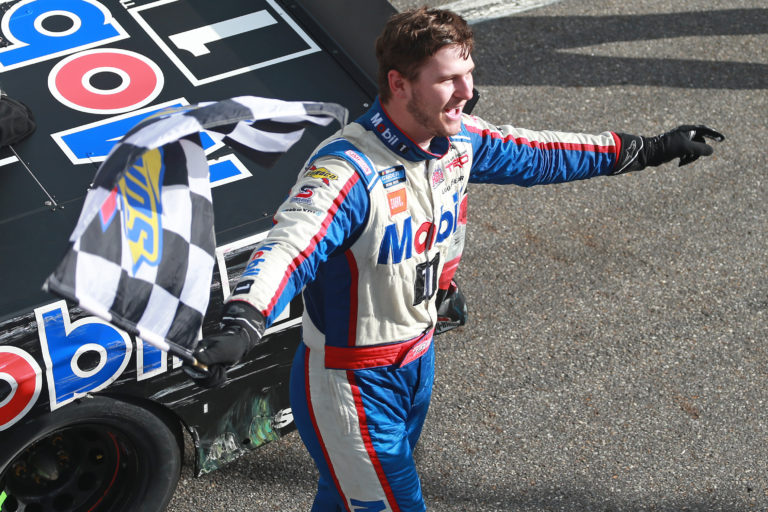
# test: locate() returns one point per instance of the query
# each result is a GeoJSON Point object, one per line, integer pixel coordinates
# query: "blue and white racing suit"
{"type": "Point", "coordinates": [372, 229]}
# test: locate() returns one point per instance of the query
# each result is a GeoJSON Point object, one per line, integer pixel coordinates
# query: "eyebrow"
{"type": "Point", "coordinates": [453, 75]}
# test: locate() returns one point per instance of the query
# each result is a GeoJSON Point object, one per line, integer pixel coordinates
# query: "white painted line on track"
{"type": "Point", "coordinates": [475, 11]}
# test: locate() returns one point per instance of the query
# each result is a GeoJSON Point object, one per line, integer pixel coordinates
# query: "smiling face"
{"type": "Point", "coordinates": [431, 104]}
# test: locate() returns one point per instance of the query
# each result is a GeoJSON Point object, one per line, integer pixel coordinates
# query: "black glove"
{"type": "Point", "coordinates": [686, 142]}
{"type": "Point", "coordinates": [241, 329]}
{"type": "Point", "coordinates": [451, 309]}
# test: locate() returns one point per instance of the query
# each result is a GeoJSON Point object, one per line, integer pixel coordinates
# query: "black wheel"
{"type": "Point", "coordinates": [97, 454]}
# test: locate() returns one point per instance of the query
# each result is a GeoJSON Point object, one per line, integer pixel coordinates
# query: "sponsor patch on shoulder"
{"type": "Point", "coordinates": [392, 176]}
{"type": "Point", "coordinates": [321, 173]}
{"type": "Point", "coordinates": [359, 161]}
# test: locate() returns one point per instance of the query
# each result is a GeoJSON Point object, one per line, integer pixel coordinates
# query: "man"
{"type": "Point", "coordinates": [373, 232]}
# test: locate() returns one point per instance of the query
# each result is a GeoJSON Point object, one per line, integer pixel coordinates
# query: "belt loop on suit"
{"type": "Point", "coordinates": [358, 358]}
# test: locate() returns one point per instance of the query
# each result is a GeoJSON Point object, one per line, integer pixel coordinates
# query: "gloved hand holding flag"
{"type": "Point", "coordinates": [142, 253]}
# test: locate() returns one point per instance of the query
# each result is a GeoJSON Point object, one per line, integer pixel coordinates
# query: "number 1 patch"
{"type": "Point", "coordinates": [426, 280]}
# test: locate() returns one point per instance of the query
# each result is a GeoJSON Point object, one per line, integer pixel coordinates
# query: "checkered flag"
{"type": "Point", "coordinates": [142, 253]}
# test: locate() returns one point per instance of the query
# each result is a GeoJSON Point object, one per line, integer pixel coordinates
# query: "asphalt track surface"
{"type": "Point", "coordinates": [615, 357]}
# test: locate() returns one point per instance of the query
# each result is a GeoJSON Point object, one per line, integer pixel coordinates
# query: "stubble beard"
{"type": "Point", "coordinates": [432, 124]}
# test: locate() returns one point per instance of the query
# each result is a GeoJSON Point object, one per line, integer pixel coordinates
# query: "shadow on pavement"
{"type": "Point", "coordinates": [533, 50]}
{"type": "Point", "coordinates": [550, 499]}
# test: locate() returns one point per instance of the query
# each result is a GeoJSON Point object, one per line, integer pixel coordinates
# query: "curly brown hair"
{"type": "Point", "coordinates": [409, 38]}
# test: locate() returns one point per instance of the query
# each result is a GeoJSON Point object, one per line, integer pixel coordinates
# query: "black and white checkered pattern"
{"type": "Point", "coordinates": [142, 253]}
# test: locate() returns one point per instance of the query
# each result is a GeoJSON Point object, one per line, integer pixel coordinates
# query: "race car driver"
{"type": "Point", "coordinates": [372, 231]}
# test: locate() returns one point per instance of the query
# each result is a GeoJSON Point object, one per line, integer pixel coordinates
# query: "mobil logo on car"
{"type": "Point", "coordinates": [80, 357]}
{"type": "Point", "coordinates": [95, 65]}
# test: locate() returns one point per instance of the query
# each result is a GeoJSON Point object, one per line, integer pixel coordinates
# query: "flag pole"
{"type": "Point", "coordinates": [157, 341]}
{"type": "Point", "coordinates": [182, 353]}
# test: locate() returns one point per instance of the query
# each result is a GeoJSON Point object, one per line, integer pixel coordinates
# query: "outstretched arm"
{"type": "Point", "coordinates": [505, 154]}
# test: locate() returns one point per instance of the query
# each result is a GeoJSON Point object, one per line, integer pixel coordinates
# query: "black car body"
{"type": "Point", "coordinates": [91, 418]}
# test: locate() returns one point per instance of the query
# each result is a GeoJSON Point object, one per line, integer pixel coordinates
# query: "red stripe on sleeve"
{"type": "Point", "coordinates": [522, 141]}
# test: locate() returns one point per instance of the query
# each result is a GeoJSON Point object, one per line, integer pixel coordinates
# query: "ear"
{"type": "Point", "coordinates": [398, 84]}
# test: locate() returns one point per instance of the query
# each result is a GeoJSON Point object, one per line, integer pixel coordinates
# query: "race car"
{"type": "Point", "coordinates": [91, 417]}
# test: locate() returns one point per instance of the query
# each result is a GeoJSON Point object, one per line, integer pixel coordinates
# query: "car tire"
{"type": "Point", "coordinates": [95, 454]}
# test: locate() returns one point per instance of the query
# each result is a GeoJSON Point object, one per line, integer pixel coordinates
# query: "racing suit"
{"type": "Point", "coordinates": [372, 229]}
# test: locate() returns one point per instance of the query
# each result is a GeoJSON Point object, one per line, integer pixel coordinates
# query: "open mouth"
{"type": "Point", "coordinates": [453, 113]}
